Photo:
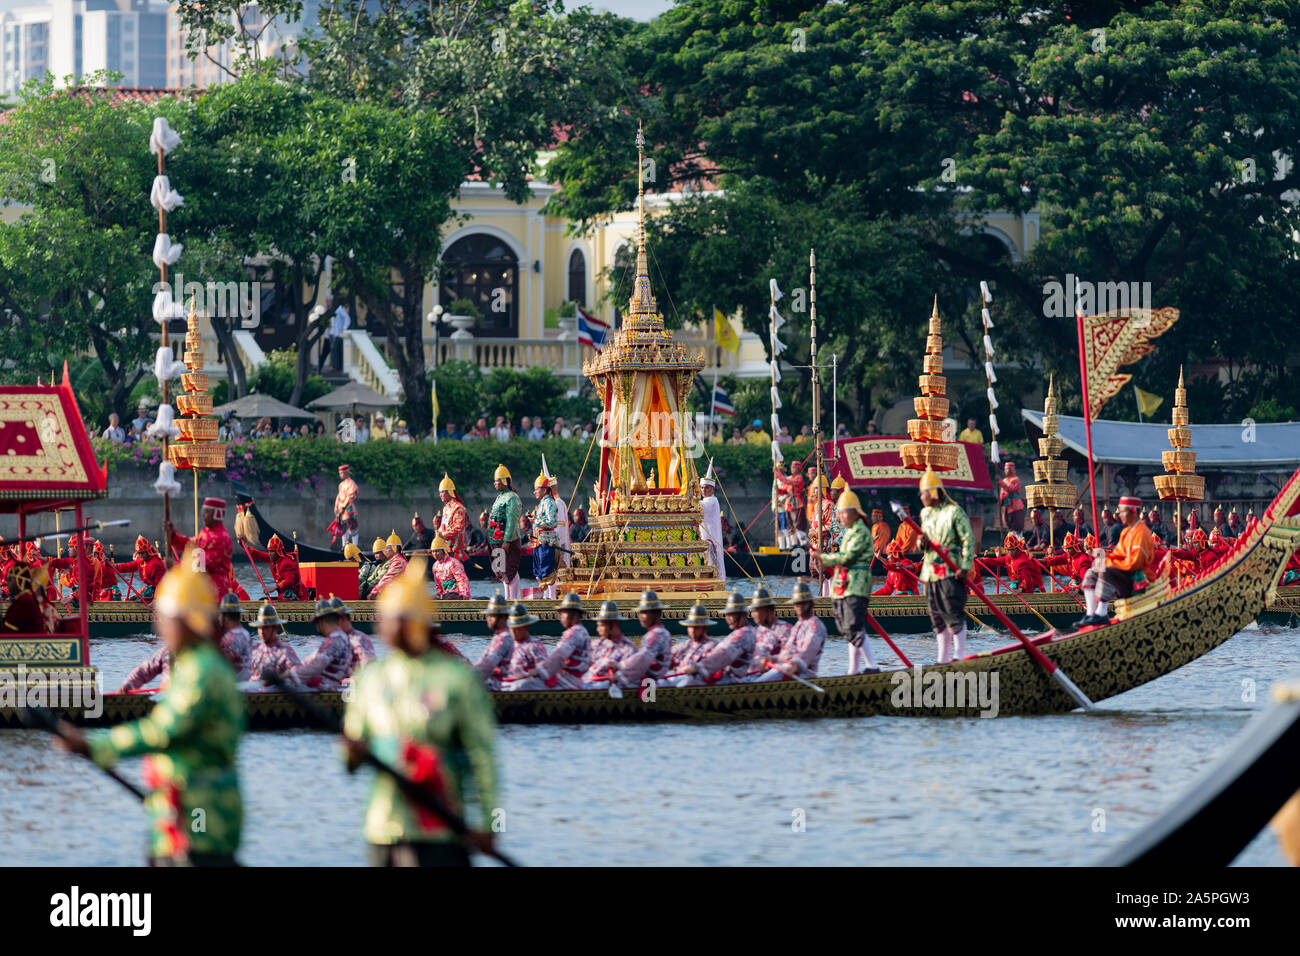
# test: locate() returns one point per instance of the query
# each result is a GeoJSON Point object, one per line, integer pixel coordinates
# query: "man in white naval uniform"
{"type": "Point", "coordinates": [561, 529]}
{"type": "Point", "coordinates": [711, 526]}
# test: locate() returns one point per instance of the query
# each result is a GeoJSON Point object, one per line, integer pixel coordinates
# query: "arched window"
{"type": "Point", "coordinates": [483, 269]}
{"type": "Point", "coordinates": [578, 277]}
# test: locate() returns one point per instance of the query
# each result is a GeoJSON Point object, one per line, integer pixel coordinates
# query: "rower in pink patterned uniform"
{"type": "Point", "coordinates": [496, 658]}
{"type": "Point", "coordinates": [156, 664]}
{"type": "Point", "coordinates": [770, 634]}
{"type": "Point", "coordinates": [236, 643]}
{"type": "Point", "coordinates": [654, 658]}
{"type": "Point", "coordinates": [610, 650]}
{"type": "Point", "coordinates": [802, 652]}
{"type": "Point", "coordinates": [449, 578]}
{"type": "Point", "coordinates": [271, 653]}
{"type": "Point", "coordinates": [729, 660]}
{"type": "Point", "coordinates": [564, 666]}
{"type": "Point", "coordinates": [363, 648]}
{"type": "Point", "coordinates": [697, 645]}
{"type": "Point", "coordinates": [331, 663]}
{"type": "Point", "coordinates": [529, 652]}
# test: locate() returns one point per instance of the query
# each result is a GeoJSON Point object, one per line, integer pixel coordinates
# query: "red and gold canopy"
{"type": "Point", "coordinates": [45, 453]}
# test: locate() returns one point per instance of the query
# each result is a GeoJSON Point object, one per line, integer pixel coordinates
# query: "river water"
{"type": "Point", "coordinates": [1043, 791]}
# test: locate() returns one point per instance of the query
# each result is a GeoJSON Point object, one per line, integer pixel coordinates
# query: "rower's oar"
{"type": "Point", "coordinates": [875, 626]}
{"type": "Point", "coordinates": [1022, 600]}
{"type": "Point", "coordinates": [1042, 659]}
{"type": "Point", "coordinates": [38, 718]}
{"type": "Point", "coordinates": [414, 791]}
{"type": "Point", "coordinates": [806, 683]}
{"type": "Point", "coordinates": [244, 544]}
{"type": "Point", "coordinates": [57, 535]}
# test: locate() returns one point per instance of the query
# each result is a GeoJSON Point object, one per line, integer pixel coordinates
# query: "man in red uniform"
{"type": "Point", "coordinates": [1074, 560]}
{"type": "Point", "coordinates": [1024, 572]}
{"type": "Point", "coordinates": [148, 564]}
{"type": "Point", "coordinates": [104, 575]}
{"type": "Point", "coordinates": [900, 577]}
{"type": "Point", "coordinates": [795, 503]}
{"type": "Point", "coordinates": [284, 568]}
{"type": "Point", "coordinates": [213, 547]}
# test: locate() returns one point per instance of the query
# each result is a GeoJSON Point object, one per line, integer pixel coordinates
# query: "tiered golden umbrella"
{"type": "Point", "coordinates": [1052, 491]}
{"type": "Point", "coordinates": [1181, 483]}
{"type": "Point", "coordinates": [198, 448]}
{"type": "Point", "coordinates": [929, 448]}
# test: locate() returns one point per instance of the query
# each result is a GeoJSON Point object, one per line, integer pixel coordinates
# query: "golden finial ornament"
{"type": "Point", "coordinates": [1051, 489]}
{"type": "Point", "coordinates": [1181, 482]}
{"type": "Point", "coordinates": [929, 448]}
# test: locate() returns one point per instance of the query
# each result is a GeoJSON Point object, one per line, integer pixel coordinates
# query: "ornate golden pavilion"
{"type": "Point", "coordinates": [1180, 482]}
{"type": "Point", "coordinates": [644, 533]}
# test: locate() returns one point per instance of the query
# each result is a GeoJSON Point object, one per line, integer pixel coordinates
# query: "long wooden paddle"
{"type": "Point", "coordinates": [1042, 659]}
{"type": "Point", "coordinates": [1020, 597]}
{"type": "Point", "coordinates": [410, 789]}
{"type": "Point", "coordinates": [39, 718]}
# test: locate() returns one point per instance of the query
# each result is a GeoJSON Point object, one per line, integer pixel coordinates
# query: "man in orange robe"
{"type": "Point", "coordinates": [1124, 565]}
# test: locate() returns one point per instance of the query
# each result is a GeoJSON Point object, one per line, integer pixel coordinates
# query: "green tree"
{"type": "Point", "coordinates": [75, 274]}
{"type": "Point", "coordinates": [1144, 134]}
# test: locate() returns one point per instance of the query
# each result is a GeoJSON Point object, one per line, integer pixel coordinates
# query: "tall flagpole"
{"type": "Point", "coordinates": [1087, 420]}
{"type": "Point", "coordinates": [776, 448]}
{"type": "Point", "coordinates": [816, 411]}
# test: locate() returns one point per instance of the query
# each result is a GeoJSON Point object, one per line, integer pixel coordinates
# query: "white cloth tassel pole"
{"type": "Point", "coordinates": [776, 371]}
{"type": "Point", "coordinates": [162, 197]}
{"type": "Point", "coordinates": [988, 319]}
{"type": "Point", "coordinates": [777, 457]}
{"type": "Point", "coordinates": [993, 424]}
{"type": "Point", "coordinates": [776, 398]}
{"type": "Point", "coordinates": [988, 346]}
{"type": "Point", "coordinates": [164, 308]}
{"type": "Point", "coordinates": [166, 368]}
{"type": "Point", "coordinates": [988, 368]}
{"type": "Point", "coordinates": [993, 401]}
{"type": "Point", "coordinates": [163, 136]}
{"type": "Point", "coordinates": [165, 425]}
{"type": "Point", "coordinates": [165, 253]}
{"type": "Point", "coordinates": [167, 485]}
{"type": "Point", "coordinates": [995, 451]}
{"type": "Point", "coordinates": [777, 294]}
{"type": "Point", "coordinates": [984, 289]}
{"type": "Point", "coordinates": [776, 427]}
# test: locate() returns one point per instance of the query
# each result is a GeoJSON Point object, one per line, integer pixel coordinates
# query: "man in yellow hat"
{"type": "Point", "coordinates": [945, 524]}
{"type": "Point", "coordinates": [851, 588]}
{"type": "Point", "coordinates": [824, 528]}
{"type": "Point", "coordinates": [394, 568]}
{"type": "Point", "coordinates": [546, 519]}
{"type": "Point", "coordinates": [370, 572]}
{"type": "Point", "coordinates": [427, 716]}
{"type": "Point", "coordinates": [503, 532]}
{"type": "Point", "coordinates": [453, 520]}
{"type": "Point", "coordinates": [195, 730]}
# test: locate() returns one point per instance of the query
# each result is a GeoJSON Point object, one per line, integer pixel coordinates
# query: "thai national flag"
{"type": "Point", "coordinates": [721, 403]}
{"type": "Point", "coordinates": [591, 331]}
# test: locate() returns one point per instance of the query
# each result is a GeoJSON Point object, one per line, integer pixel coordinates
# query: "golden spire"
{"type": "Point", "coordinates": [642, 309]}
{"type": "Point", "coordinates": [1180, 482]}
{"type": "Point", "coordinates": [1051, 490]}
{"type": "Point", "coordinates": [928, 449]}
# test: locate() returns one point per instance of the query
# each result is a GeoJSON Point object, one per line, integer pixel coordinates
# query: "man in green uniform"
{"type": "Point", "coordinates": [428, 716]}
{"type": "Point", "coordinates": [944, 523]}
{"type": "Point", "coordinates": [371, 572]}
{"type": "Point", "coordinates": [192, 735]}
{"type": "Point", "coordinates": [851, 589]}
{"type": "Point", "coordinates": [503, 533]}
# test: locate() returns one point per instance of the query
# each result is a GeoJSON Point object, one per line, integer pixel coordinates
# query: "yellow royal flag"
{"type": "Point", "coordinates": [1148, 404]}
{"type": "Point", "coordinates": [726, 335]}
{"type": "Point", "coordinates": [433, 389]}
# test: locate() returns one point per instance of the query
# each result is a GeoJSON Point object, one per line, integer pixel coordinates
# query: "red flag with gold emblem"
{"type": "Point", "coordinates": [1112, 340]}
